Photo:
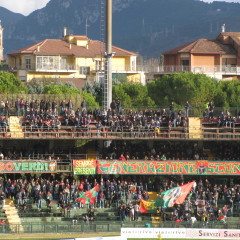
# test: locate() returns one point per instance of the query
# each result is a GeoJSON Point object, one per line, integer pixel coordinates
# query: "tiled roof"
{"type": "Point", "coordinates": [234, 35]}
{"type": "Point", "coordinates": [61, 47]}
{"type": "Point", "coordinates": [231, 34]}
{"type": "Point", "coordinates": [203, 46]}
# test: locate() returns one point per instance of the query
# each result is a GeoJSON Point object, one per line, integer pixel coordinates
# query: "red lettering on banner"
{"type": "Point", "coordinates": [1, 166]}
{"type": "Point", "coordinates": [168, 167]}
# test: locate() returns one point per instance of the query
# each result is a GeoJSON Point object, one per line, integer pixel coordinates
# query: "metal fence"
{"type": "Point", "coordinates": [232, 134]}
{"type": "Point", "coordinates": [67, 227]}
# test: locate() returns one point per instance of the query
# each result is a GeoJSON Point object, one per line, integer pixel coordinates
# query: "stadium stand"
{"type": "Point", "coordinates": [42, 138]}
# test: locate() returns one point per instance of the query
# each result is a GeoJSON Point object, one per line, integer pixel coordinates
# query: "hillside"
{"type": "Point", "coordinates": [145, 26]}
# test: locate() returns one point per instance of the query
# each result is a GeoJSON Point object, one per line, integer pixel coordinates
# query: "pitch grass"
{"type": "Point", "coordinates": [51, 236]}
{"type": "Point", "coordinates": [54, 236]}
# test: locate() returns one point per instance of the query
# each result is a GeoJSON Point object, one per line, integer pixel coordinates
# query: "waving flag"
{"type": "Point", "coordinates": [175, 195]}
{"type": "Point", "coordinates": [147, 206]}
{"type": "Point", "coordinates": [89, 197]}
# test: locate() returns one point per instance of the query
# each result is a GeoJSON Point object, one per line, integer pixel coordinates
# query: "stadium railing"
{"type": "Point", "coordinates": [77, 227]}
{"type": "Point", "coordinates": [72, 133]}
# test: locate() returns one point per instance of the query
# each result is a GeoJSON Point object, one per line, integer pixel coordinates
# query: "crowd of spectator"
{"type": "Point", "coordinates": [54, 115]}
{"type": "Point", "coordinates": [157, 151]}
{"type": "Point", "coordinates": [225, 151]}
{"type": "Point", "coordinates": [212, 117]}
{"type": "Point", "coordinates": [3, 124]}
{"type": "Point", "coordinates": [114, 119]}
{"type": "Point", "coordinates": [125, 150]}
{"type": "Point", "coordinates": [51, 115]}
{"type": "Point", "coordinates": [211, 199]}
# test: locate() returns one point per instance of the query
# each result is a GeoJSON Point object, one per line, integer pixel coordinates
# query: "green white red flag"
{"type": "Point", "coordinates": [175, 195]}
{"type": "Point", "coordinates": [89, 197]}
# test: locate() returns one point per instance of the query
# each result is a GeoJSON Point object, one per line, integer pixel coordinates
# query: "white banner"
{"type": "Point", "coordinates": [180, 233]}
{"type": "Point", "coordinates": [215, 233]}
{"type": "Point", "coordinates": [175, 233]}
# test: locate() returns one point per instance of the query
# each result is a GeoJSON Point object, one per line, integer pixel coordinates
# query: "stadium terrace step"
{"type": "Point", "coordinates": [195, 128]}
{"type": "Point", "coordinates": [91, 154]}
{"type": "Point", "coordinates": [208, 153]}
{"type": "Point", "coordinates": [15, 127]}
{"type": "Point", "coordinates": [26, 220]}
{"type": "Point", "coordinates": [13, 218]}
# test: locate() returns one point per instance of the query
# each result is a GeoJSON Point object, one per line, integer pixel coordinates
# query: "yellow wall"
{"type": "Point", "coordinates": [136, 78]}
{"type": "Point", "coordinates": [118, 64]}
{"type": "Point", "coordinates": [33, 75]}
{"type": "Point", "coordinates": [18, 61]}
{"type": "Point", "coordinates": [85, 62]}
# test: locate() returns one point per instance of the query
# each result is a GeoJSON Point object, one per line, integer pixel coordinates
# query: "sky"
{"type": "Point", "coordinates": [25, 7]}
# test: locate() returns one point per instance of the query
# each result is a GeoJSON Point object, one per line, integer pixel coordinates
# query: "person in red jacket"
{"type": "Point", "coordinates": [122, 158]}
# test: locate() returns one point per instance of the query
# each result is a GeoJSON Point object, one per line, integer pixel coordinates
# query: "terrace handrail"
{"type": "Point", "coordinates": [79, 227]}
{"type": "Point", "coordinates": [226, 69]}
{"type": "Point", "coordinates": [207, 134]}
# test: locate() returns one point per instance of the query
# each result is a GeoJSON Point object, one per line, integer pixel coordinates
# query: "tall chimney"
{"type": "Point", "coordinates": [223, 28]}
{"type": "Point", "coordinates": [64, 31]}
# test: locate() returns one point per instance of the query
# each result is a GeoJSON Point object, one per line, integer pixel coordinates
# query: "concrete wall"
{"type": "Point", "coordinates": [170, 60]}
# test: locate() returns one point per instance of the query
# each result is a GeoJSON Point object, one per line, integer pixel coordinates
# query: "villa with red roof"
{"type": "Point", "coordinates": [218, 58]}
{"type": "Point", "coordinates": [73, 57]}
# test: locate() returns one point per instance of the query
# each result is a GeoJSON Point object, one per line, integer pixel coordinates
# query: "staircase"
{"type": "Point", "coordinates": [195, 128]}
{"type": "Point", "coordinates": [15, 127]}
{"type": "Point", "coordinates": [13, 218]}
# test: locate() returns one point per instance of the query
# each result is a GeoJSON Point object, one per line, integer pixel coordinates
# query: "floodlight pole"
{"type": "Point", "coordinates": [108, 58]}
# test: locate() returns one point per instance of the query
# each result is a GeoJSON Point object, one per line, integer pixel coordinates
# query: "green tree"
{"type": "Point", "coordinates": [133, 95]}
{"type": "Point", "coordinates": [96, 89]}
{"type": "Point", "coordinates": [90, 100]}
{"type": "Point", "coordinates": [10, 84]}
{"type": "Point", "coordinates": [69, 91]}
{"type": "Point", "coordinates": [119, 93]}
{"type": "Point", "coordinates": [231, 89]}
{"type": "Point", "coordinates": [198, 89]}
{"type": "Point", "coordinates": [66, 89]}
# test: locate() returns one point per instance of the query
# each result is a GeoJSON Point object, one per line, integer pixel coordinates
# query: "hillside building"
{"type": "Point", "coordinates": [1, 42]}
{"type": "Point", "coordinates": [73, 57]}
{"type": "Point", "coordinates": [218, 58]}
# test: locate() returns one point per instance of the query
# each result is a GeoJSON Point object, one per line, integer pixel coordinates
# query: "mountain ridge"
{"type": "Point", "coordinates": [145, 26]}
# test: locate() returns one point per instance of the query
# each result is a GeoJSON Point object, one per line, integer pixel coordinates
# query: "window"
{"type": "Point", "coordinates": [185, 62]}
{"type": "Point", "coordinates": [133, 65]}
{"type": "Point", "coordinates": [84, 70]}
{"type": "Point", "coordinates": [99, 65]}
{"type": "Point", "coordinates": [28, 63]}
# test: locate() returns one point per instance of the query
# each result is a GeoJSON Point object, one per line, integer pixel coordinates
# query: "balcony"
{"type": "Point", "coordinates": [119, 69]}
{"type": "Point", "coordinates": [62, 68]}
{"type": "Point", "coordinates": [209, 70]}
